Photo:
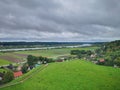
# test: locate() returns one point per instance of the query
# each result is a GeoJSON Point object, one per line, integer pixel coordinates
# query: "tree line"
{"type": "Point", "coordinates": [110, 52]}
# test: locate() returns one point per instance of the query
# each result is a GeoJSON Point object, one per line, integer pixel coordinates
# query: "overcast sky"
{"type": "Point", "coordinates": [59, 20]}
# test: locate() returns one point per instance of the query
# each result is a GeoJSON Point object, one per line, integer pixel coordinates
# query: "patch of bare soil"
{"type": "Point", "coordinates": [21, 55]}
{"type": "Point", "coordinates": [11, 58]}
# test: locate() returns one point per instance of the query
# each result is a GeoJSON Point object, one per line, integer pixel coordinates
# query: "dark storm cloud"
{"type": "Point", "coordinates": [59, 20]}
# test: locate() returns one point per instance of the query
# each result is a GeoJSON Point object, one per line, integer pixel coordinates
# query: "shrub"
{"type": "Point", "coordinates": [117, 61]}
{"type": "Point", "coordinates": [24, 68]}
{"type": "Point", "coordinates": [8, 76]}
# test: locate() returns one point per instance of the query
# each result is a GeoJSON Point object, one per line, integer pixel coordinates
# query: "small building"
{"type": "Point", "coordinates": [36, 65]}
{"type": "Point", "coordinates": [10, 66]}
{"type": "Point", "coordinates": [19, 68]}
{"type": "Point", "coordinates": [44, 62]}
{"type": "Point", "coordinates": [31, 67]}
{"type": "Point", "coordinates": [92, 55]}
{"type": "Point", "coordinates": [1, 76]}
{"type": "Point", "coordinates": [39, 62]}
{"type": "Point", "coordinates": [102, 60]}
{"type": "Point", "coordinates": [18, 74]}
{"type": "Point", "coordinates": [60, 60]}
{"type": "Point", "coordinates": [115, 66]}
{"type": "Point", "coordinates": [95, 62]}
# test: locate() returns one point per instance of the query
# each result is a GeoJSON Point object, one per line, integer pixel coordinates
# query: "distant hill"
{"type": "Point", "coordinates": [111, 53]}
{"type": "Point", "coordinates": [112, 46]}
{"type": "Point", "coordinates": [9, 45]}
{"type": "Point", "coordinates": [46, 43]}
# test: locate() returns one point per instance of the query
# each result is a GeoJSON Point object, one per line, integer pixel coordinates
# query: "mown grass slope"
{"type": "Point", "coordinates": [72, 75]}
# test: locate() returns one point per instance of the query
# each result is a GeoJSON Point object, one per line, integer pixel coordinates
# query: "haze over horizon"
{"type": "Point", "coordinates": [59, 20]}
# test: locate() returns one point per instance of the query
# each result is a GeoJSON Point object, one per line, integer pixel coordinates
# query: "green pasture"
{"type": "Point", "coordinates": [72, 75]}
{"type": "Point", "coordinates": [54, 52]}
{"type": "Point", "coordinates": [4, 62]}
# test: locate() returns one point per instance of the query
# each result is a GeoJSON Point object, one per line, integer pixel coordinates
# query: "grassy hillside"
{"type": "Point", "coordinates": [110, 51]}
{"type": "Point", "coordinates": [72, 75]}
{"type": "Point", "coordinates": [112, 46]}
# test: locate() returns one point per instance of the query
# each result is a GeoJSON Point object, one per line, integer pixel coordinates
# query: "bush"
{"type": "Point", "coordinates": [117, 61]}
{"type": "Point", "coordinates": [50, 60]}
{"type": "Point", "coordinates": [8, 76]}
{"type": "Point", "coordinates": [109, 63]}
{"type": "Point", "coordinates": [24, 68]}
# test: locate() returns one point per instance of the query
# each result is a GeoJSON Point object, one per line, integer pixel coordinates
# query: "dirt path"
{"type": "Point", "coordinates": [24, 79]}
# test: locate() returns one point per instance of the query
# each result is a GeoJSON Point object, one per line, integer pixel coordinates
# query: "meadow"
{"type": "Point", "coordinates": [20, 56]}
{"type": "Point", "coordinates": [71, 75]}
{"type": "Point", "coordinates": [4, 62]}
{"type": "Point", "coordinates": [54, 52]}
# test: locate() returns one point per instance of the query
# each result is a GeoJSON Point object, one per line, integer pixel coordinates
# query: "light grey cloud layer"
{"type": "Point", "coordinates": [59, 20]}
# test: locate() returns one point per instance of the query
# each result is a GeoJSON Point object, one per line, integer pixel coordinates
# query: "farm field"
{"type": "Point", "coordinates": [72, 75]}
{"type": "Point", "coordinates": [11, 57]}
{"type": "Point", "coordinates": [54, 52]}
{"type": "Point", "coordinates": [20, 56]}
{"type": "Point", "coordinates": [4, 62]}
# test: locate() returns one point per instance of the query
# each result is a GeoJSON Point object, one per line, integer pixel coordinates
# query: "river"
{"type": "Point", "coordinates": [42, 48]}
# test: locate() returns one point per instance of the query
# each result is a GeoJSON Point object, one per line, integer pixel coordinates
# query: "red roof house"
{"type": "Point", "coordinates": [101, 60]}
{"type": "Point", "coordinates": [17, 74]}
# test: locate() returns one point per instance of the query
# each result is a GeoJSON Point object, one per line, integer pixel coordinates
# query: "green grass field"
{"type": "Point", "coordinates": [72, 75]}
{"type": "Point", "coordinates": [4, 62]}
{"type": "Point", "coordinates": [2, 70]}
{"type": "Point", "coordinates": [54, 52]}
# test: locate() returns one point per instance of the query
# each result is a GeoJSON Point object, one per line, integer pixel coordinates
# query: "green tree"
{"type": "Point", "coordinates": [8, 76]}
{"type": "Point", "coordinates": [117, 61]}
{"type": "Point", "coordinates": [40, 58]}
{"type": "Point", "coordinates": [89, 52]}
{"type": "Point", "coordinates": [24, 68]}
{"type": "Point", "coordinates": [79, 56]}
{"type": "Point", "coordinates": [31, 60]}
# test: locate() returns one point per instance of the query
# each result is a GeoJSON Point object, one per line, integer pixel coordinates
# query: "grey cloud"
{"type": "Point", "coordinates": [59, 20]}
